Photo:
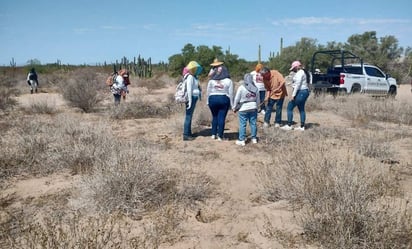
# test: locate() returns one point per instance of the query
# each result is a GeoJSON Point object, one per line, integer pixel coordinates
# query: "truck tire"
{"type": "Point", "coordinates": [392, 92]}
{"type": "Point", "coordinates": [355, 89]}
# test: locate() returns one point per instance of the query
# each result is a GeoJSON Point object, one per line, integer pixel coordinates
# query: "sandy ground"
{"type": "Point", "coordinates": [240, 214]}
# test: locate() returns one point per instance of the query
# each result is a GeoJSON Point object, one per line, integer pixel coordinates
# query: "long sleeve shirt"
{"type": "Point", "coordinates": [299, 82]}
{"type": "Point", "coordinates": [247, 100]}
{"type": "Point", "coordinates": [220, 87]}
{"type": "Point", "coordinates": [258, 80]}
{"type": "Point", "coordinates": [192, 86]}
{"type": "Point", "coordinates": [275, 87]}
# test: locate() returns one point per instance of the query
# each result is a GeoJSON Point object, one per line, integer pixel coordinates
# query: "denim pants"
{"type": "Point", "coordinates": [262, 95]}
{"type": "Point", "coordinates": [117, 98]}
{"type": "Point", "coordinates": [187, 126]}
{"type": "Point", "coordinates": [244, 117]}
{"type": "Point", "coordinates": [219, 106]}
{"type": "Point", "coordinates": [269, 109]}
{"type": "Point", "coordinates": [299, 101]}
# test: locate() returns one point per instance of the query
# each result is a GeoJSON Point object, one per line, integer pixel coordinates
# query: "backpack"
{"type": "Point", "coordinates": [181, 91]}
{"type": "Point", "coordinates": [308, 75]}
{"type": "Point", "coordinates": [111, 79]}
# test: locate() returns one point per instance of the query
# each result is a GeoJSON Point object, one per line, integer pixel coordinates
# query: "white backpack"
{"type": "Point", "coordinates": [181, 91]}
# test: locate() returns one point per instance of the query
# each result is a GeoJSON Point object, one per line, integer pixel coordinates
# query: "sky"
{"type": "Point", "coordinates": [97, 31]}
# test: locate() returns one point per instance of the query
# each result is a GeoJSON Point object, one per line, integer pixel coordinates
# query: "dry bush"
{"type": "Point", "coordinates": [41, 147]}
{"type": "Point", "coordinates": [363, 109]}
{"type": "Point", "coordinates": [340, 196]}
{"type": "Point", "coordinates": [138, 109]}
{"type": "Point", "coordinates": [44, 106]}
{"type": "Point", "coordinates": [158, 81]}
{"type": "Point", "coordinates": [71, 231]}
{"type": "Point", "coordinates": [82, 89]}
{"type": "Point", "coordinates": [372, 146]}
{"type": "Point", "coordinates": [7, 102]}
{"type": "Point", "coordinates": [130, 181]}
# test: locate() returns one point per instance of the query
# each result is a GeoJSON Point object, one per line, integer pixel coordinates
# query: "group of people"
{"type": "Point", "coordinates": [260, 91]}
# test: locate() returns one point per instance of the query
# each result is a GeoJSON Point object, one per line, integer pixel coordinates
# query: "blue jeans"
{"type": "Point", "coordinates": [244, 117]}
{"type": "Point", "coordinates": [262, 95]}
{"type": "Point", "coordinates": [187, 126]}
{"type": "Point", "coordinates": [117, 98]}
{"type": "Point", "coordinates": [269, 109]}
{"type": "Point", "coordinates": [219, 106]}
{"type": "Point", "coordinates": [299, 101]}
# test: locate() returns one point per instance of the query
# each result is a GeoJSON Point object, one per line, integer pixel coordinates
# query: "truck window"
{"type": "Point", "coordinates": [353, 70]}
{"type": "Point", "coordinates": [371, 71]}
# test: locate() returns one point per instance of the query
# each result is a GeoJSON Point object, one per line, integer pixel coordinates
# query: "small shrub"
{"type": "Point", "coordinates": [138, 109]}
{"type": "Point", "coordinates": [341, 198]}
{"type": "Point", "coordinates": [7, 101]}
{"type": "Point", "coordinates": [42, 107]}
{"type": "Point", "coordinates": [82, 90]}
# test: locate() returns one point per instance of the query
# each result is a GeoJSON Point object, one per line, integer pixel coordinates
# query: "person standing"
{"type": "Point", "coordinates": [276, 93]}
{"type": "Point", "coordinates": [32, 80]}
{"type": "Point", "coordinates": [191, 73]}
{"type": "Point", "coordinates": [258, 80]}
{"type": "Point", "coordinates": [219, 100]}
{"type": "Point", "coordinates": [299, 96]}
{"type": "Point", "coordinates": [246, 104]}
{"type": "Point", "coordinates": [119, 87]}
{"type": "Point", "coordinates": [216, 68]}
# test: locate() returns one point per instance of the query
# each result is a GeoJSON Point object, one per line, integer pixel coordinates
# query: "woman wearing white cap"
{"type": "Point", "coordinates": [299, 96]}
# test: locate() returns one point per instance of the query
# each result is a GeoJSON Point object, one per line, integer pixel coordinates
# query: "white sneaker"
{"type": "Point", "coordinates": [254, 141]}
{"type": "Point", "coordinates": [221, 138]}
{"type": "Point", "coordinates": [213, 137]}
{"type": "Point", "coordinates": [266, 125]}
{"type": "Point", "coordinates": [277, 125]}
{"type": "Point", "coordinates": [241, 143]}
{"type": "Point", "coordinates": [286, 127]}
{"type": "Point", "coordinates": [300, 128]}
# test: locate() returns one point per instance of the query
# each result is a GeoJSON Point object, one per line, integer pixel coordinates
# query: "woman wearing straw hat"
{"type": "Point", "coordinates": [193, 69]}
{"type": "Point", "coordinates": [219, 98]}
{"type": "Point", "coordinates": [216, 68]}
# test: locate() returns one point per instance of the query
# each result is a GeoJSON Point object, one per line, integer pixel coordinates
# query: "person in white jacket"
{"type": "Point", "coordinates": [246, 103]}
{"type": "Point", "coordinates": [219, 100]}
{"type": "Point", "coordinates": [299, 96]}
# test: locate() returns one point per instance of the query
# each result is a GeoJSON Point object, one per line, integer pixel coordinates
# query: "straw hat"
{"type": "Point", "coordinates": [216, 62]}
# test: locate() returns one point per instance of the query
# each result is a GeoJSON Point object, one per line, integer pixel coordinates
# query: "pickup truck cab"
{"type": "Point", "coordinates": [346, 72]}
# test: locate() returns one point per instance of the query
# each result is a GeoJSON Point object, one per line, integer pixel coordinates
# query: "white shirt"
{"type": "Point", "coordinates": [258, 80]}
{"type": "Point", "coordinates": [299, 82]}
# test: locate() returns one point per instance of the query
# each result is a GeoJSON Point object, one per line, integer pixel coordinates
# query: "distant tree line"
{"type": "Point", "coordinates": [384, 52]}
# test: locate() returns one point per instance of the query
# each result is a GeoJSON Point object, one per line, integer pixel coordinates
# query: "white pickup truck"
{"type": "Point", "coordinates": [346, 72]}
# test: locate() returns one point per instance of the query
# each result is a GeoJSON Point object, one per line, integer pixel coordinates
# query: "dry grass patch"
{"type": "Point", "coordinates": [340, 197]}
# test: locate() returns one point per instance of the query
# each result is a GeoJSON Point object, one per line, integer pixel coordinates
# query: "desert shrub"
{"type": "Point", "coordinates": [370, 145]}
{"type": "Point", "coordinates": [138, 109]}
{"type": "Point", "coordinates": [158, 81]}
{"type": "Point", "coordinates": [82, 89]}
{"type": "Point", "coordinates": [343, 198]}
{"type": "Point", "coordinates": [7, 102]}
{"type": "Point", "coordinates": [40, 147]}
{"type": "Point", "coordinates": [132, 182]}
{"type": "Point", "coordinates": [67, 231]}
{"type": "Point", "coordinates": [363, 109]}
{"type": "Point", "coordinates": [43, 106]}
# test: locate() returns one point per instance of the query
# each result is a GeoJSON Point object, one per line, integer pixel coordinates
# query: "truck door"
{"type": "Point", "coordinates": [376, 82]}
